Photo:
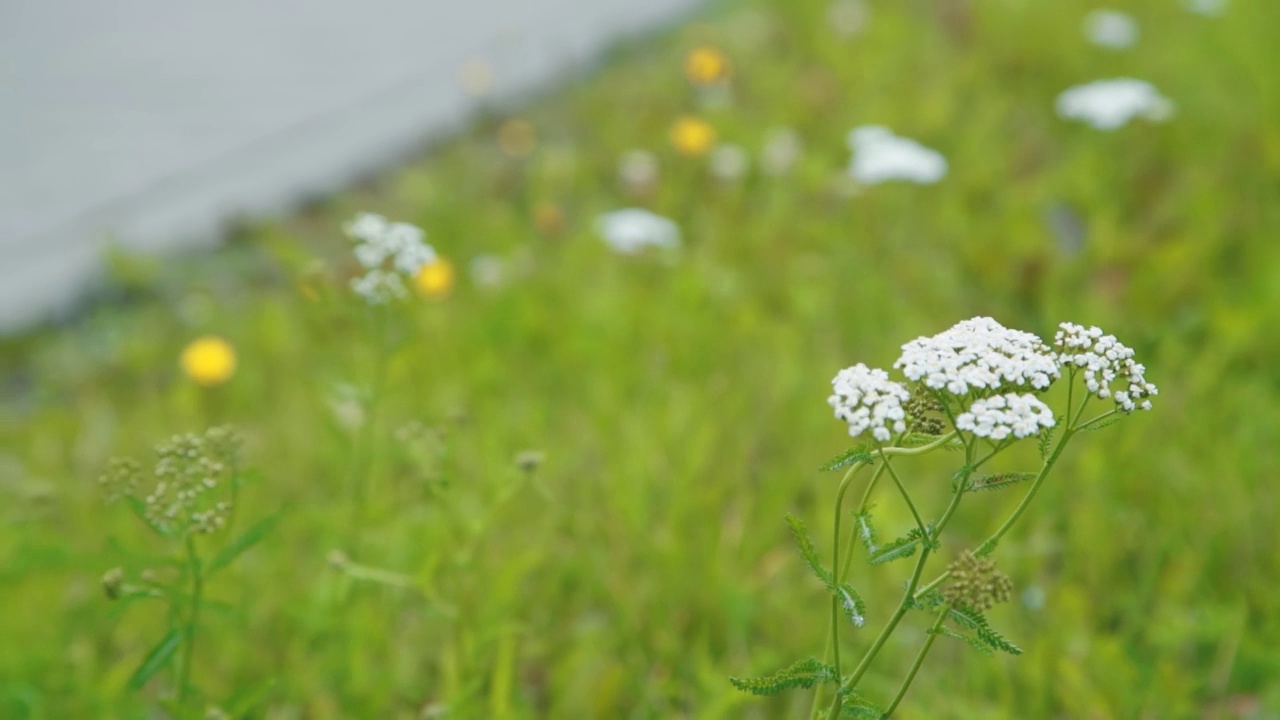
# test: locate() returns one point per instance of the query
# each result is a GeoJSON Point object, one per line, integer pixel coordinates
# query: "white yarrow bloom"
{"type": "Point", "coordinates": [1111, 29]}
{"type": "Point", "coordinates": [378, 241]}
{"type": "Point", "coordinates": [729, 162]}
{"type": "Point", "coordinates": [979, 354]}
{"type": "Point", "coordinates": [879, 155]}
{"type": "Point", "coordinates": [1109, 368]}
{"type": "Point", "coordinates": [1111, 104]}
{"type": "Point", "coordinates": [1207, 8]}
{"type": "Point", "coordinates": [867, 399]}
{"type": "Point", "coordinates": [631, 230]}
{"type": "Point", "coordinates": [998, 417]}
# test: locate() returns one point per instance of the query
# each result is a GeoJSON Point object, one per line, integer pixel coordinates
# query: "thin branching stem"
{"type": "Point", "coordinates": [915, 667]}
{"type": "Point", "coordinates": [924, 534]}
{"type": "Point", "coordinates": [990, 544]}
{"type": "Point", "coordinates": [189, 635]}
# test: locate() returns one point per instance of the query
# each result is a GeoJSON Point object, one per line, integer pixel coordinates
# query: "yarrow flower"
{"type": "Point", "coordinates": [979, 353]}
{"type": "Point", "coordinates": [1105, 361]}
{"type": "Point", "coordinates": [867, 399]}
{"type": "Point", "coordinates": [1111, 29]}
{"type": "Point", "coordinates": [1004, 415]}
{"type": "Point", "coordinates": [1111, 104]}
{"type": "Point", "coordinates": [388, 251]}
{"type": "Point", "coordinates": [631, 230]}
{"type": "Point", "coordinates": [879, 155]}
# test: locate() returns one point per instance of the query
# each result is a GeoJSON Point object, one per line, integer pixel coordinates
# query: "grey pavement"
{"type": "Point", "coordinates": [147, 123]}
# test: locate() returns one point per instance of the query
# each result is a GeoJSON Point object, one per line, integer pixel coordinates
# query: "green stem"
{"type": "Point", "coordinates": [924, 534]}
{"type": "Point", "coordinates": [189, 639]}
{"type": "Point", "coordinates": [990, 544]}
{"type": "Point", "coordinates": [853, 534]}
{"type": "Point", "coordinates": [915, 667]}
{"type": "Point", "coordinates": [835, 564]}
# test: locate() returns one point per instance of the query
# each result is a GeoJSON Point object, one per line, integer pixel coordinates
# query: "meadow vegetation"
{"type": "Point", "coordinates": [552, 484]}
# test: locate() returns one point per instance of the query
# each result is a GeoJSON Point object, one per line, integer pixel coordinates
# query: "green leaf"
{"type": "Point", "coordinates": [1046, 437]}
{"type": "Point", "coordinates": [1102, 422]}
{"type": "Point", "coordinates": [960, 478]}
{"type": "Point", "coordinates": [977, 622]}
{"type": "Point", "coordinates": [855, 706]}
{"type": "Point", "coordinates": [803, 674]}
{"type": "Point", "coordinates": [902, 547]}
{"type": "Point", "coordinates": [847, 458]}
{"type": "Point", "coordinates": [157, 658]}
{"type": "Point", "coordinates": [249, 698]}
{"type": "Point", "coordinates": [854, 608]}
{"type": "Point", "coordinates": [1000, 481]}
{"type": "Point", "coordinates": [140, 509]}
{"type": "Point", "coordinates": [972, 641]}
{"type": "Point", "coordinates": [866, 533]}
{"type": "Point", "coordinates": [247, 539]}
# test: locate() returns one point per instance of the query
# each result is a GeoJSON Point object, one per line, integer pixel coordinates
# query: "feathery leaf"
{"type": "Point", "coordinates": [803, 674]}
{"type": "Point", "coordinates": [977, 622]}
{"type": "Point", "coordinates": [847, 458]}
{"type": "Point", "coordinates": [1000, 481]}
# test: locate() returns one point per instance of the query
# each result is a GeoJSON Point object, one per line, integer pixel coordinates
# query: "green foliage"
{"type": "Point", "coordinates": [853, 455]}
{"type": "Point", "coordinates": [1000, 481]}
{"type": "Point", "coordinates": [850, 601]}
{"type": "Point", "coordinates": [977, 622]}
{"type": "Point", "coordinates": [804, 673]}
{"type": "Point", "coordinates": [970, 640]}
{"type": "Point", "coordinates": [246, 540]}
{"type": "Point", "coordinates": [1044, 441]}
{"type": "Point", "coordinates": [856, 707]}
{"type": "Point", "coordinates": [1102, 422]}
{"type": "Point", "coordinates": [902, 547]}
{"type": "Point", "coordinates": [866, 531]}
{"type": "Point", "coordinates": [157, 658]}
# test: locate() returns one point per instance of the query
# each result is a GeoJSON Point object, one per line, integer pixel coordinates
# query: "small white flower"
{"type": "Point", "coordinates": [1207, 8]}
{"type": "Point", "coordinates": [1000, 416]}
{"type": "Point", "coordinates": [980, 354]}
{"type": "Point", "coordinates": [1110, 104]}
{"type": "Point", "coordinates": [1106, 363]}
{"type": "Point", "coordinates": [780, 152]}
{"type": "Point", "coordinates": [879, 155]}
{"type": "Point", "coordinates": [378, 241]}
{"type": "Point", "coordinates": [1111, 29]}
{"type": "Point", "coordinates": [867, 399]}
{"type": "Point", "coordinates": [729, 162]}
{"type": "Point", "coordinates": [631, 230]}
{"type": "Point", "coordinates": [638, 170]}
{"type": "Point", "coordinates": [488, 271]}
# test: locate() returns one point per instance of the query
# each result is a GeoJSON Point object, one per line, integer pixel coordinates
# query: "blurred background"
{"type": "Point", "coordinates": [550, 480]}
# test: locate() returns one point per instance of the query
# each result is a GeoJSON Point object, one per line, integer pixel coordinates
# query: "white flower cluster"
{"type": "Point", "coordinates": [879, 155]}
{"type": "Point", "coordinates": [978, 353]}
{"type": "Point", "coordinates": [380, 243]}
{"type": "Point", "coordinates": [1105, 360]}
{"type": "Point", "coordinates": [867, 399]}
{"type": "Point", "coordinates": [1000, 416]}
{"type": "Point", "coordinates": [631, 230]}
{"type": "Point", "coordinates": [1111, 104]}
{"type": "Point", "coordinates": [1111, 29]}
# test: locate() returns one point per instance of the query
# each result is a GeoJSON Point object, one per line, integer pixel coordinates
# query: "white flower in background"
{"type": "Point", "coordinates": [780, 152]}
{"type": "Point", "coordinates": [1207, 8]}
{"type": "Point", "coordinates": [867, 399]}
{"type": "Point", "coordinates": [848, 17]}
{"type": "Point", "coordinates": [879, 155]}
{"type": "Point", "coordinates": [378, 242]}
{"type": "Point", "coordinates": [631, 230]}
{"type": "Point", "coordinates": [1003, 415]}
{"type": "Point", "coordinates": [1106, 363]}
{"type": "Point", "coordinates": [638, 170]}
{"type": "Point", "coordinates": [729, 162]}
{"type": "Point", "coordinates": [1111, 29]}
{"type": "Point", "coordinates": [488, 271]}
{"type": "Point", "coordinates": [979, 353]}
{"type": "Point", "coordinates": [1110, 104]}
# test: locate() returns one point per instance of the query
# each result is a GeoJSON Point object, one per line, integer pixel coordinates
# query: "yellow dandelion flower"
{"type": "Point", "coordinates": [208, 360]}
{"type": "Point", "coordinates": [706, 65]}
{"type": "Point", "coordinates": [548, 218]}
{"type": "Point", "coordinates": [435, 279]}
{"type": "Point", "coordinates": [517, 137]}
{"type": "Point", "coordinates": [692, 136]}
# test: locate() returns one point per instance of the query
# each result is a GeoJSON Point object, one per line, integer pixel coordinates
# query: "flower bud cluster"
{"type": "Point", "coordinates": [1105, 362]}
{"type": "Point", "coordinates": [922, 412]}
{"type": "Point", "coordinates": [867, 399]}
{"type": "Point", "coordinates": [976, 584]}
{"type": "Point", "coordinates": [386, 250]}
{"type": "Point", "coordinates": [979, 353]}
{"type": "Point", "coordinates": [121, 478]}
{"type": "Point", "coordinates": [1000, 416]}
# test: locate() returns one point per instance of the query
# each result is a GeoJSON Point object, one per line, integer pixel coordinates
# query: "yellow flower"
{"type": "Point", "coordinates": [435, 279]}
{"type": "Point", "coordinates": [692, 136]}
{"type": "Point", "coordinates": [706, 65]}
{"type": "Point", "coordinates": [208, 360]}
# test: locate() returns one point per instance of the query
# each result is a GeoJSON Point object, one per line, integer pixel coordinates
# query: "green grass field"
{"type": "Point", "coordinates": [679, 398]}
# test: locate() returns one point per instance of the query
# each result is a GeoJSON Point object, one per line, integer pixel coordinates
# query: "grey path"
{"type": "Point", "coordinates": [148, 122]}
